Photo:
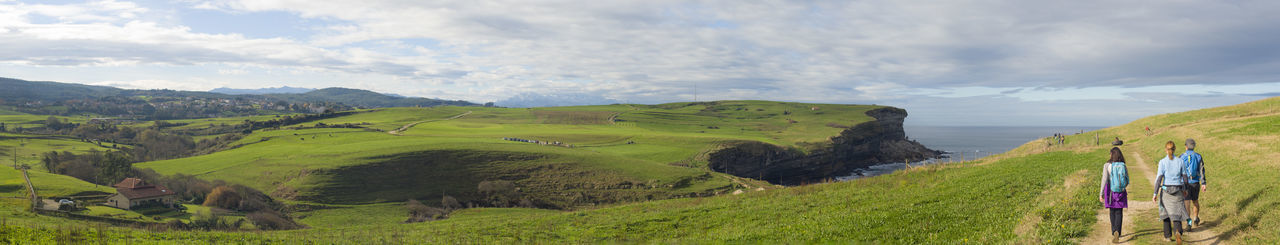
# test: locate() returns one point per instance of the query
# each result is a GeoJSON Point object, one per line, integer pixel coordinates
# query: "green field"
{"type": "Point", "coordinates": [29, 147]}
{"type": "Point", "coordinates": [1031, 195]}
{"type": "Point", "coordinates": [619, 153]}
{"type": "Point", "coordinates": [9, 111]}
{"type": "Point", "coordinates": [27, 121]}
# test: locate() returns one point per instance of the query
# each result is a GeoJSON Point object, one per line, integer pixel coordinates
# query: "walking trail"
{"type": "Point", "coordinates": [410, 125]}
{"type": "Point", "coordinates": [1142, 209]}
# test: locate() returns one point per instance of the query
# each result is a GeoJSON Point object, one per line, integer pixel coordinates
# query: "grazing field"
{"type": "Point", "coordinates": [28, 121]}
{"type": "Point", "coordinates": [586, 153]}
{"type": "Point", "coordinates": [905, 207]}
{"type": "Point", "coordinates": [29, 147]}
{"type": "Point", "coordinates": [1031, 195]}
{"type": "Point", "coordinates": [9, 111]}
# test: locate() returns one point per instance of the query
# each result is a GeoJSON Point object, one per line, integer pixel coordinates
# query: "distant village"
{"type": "Point", "coordinates": [168, 108]}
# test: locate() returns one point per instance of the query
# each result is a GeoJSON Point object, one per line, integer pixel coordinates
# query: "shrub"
{"type": "Point", "coordinates": [211, 222]}
{"type": "Point", "coordinates": [419, 212]}
{"type": "Point", "coordinates": [223, 197]}
{"type": "Point", "coordinates": [449, 203]}
{"type": "Point", "coordinates": [271, 220]}
{"type": "Point", "coordinates": [500, 193]}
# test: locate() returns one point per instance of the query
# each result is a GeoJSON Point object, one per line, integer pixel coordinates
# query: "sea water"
{"type": "Point", "coordinates": [971, 141]}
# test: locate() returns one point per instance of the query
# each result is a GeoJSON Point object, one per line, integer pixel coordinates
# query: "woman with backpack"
{"type": "Point", "coordinates": [1114, 194]}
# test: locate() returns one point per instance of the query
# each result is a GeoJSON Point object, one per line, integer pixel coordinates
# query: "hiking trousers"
{"type": "Point", "coordinates": [1172, 226]}
{"type": "Point", "coordinates": [1117, 219]}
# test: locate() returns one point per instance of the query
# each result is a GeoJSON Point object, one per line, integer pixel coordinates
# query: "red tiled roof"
{"type": "Point", "coordinates": [134, 188]}
{"type": "Point", "coordinates": [144, 192]}
{"type": "Point", "coordinates": [131, 183]}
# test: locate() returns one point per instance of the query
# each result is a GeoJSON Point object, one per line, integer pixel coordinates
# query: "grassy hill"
{"type": "Point", "coordinates": [1033, 194]}
{"type": "Point", "coordinates": [619, 153]}
{"type": "Point", "coordinates": [36, 97]}
{"type": "Point", "coordinates": [363, 98]}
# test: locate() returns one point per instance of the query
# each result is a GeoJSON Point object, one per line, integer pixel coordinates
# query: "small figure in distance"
{"type": "Point", "coordinates": [1118, 142]}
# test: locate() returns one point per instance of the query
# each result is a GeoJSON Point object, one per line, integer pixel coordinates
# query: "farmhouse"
{"type": "Point", "coordinates": [133, 192]}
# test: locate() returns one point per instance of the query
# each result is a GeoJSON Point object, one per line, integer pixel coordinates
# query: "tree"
{"type": "Point", "coordinates": [113, 167]}
{"type": "Point", "coordinates": [52, 123]}
{"type": "Point", "coordinates": [499, 192]}
{"type": "Point", "coordinates": [223, 197]}
{"type": "Point", "coordinates": [449, 203]}
{"type": "Point", "coordinates": [419, 212]}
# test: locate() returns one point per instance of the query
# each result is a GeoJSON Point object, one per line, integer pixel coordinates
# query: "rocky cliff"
{"type": "Point", "coordinates": [880, 141]}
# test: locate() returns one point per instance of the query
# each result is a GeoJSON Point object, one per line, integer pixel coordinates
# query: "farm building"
{"type": "Point", "coordinates": [134, 192]}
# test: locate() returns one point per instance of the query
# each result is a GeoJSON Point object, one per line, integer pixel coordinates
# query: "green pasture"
{"type": "Point", "coordinates": [388, 119]}
{"type": "Point", "coordinates": [301, 162]}
{"type": "Point", "coordinates": [5, 110]}
{"type": "Point", "coordinates": [46, 184]}
{"type": "Point", "coordinates": [211, 122]}
{"type": "Point", "coordinates": [29, 148]}
{"type": "Point", "coordinates": [930, 205]}
{"type": "Point", "coordinates": [28, 121]}
{"type": "Point", "coordinates": [1031, 195]}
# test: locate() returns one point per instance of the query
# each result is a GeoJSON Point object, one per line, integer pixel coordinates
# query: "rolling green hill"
{"type": "Point", "coordinates": [20, 96]}
{"type": "Point", "coordinates": [1033, 194]}
{"type": "Point", "coordinates": [606, 154]}
{"type": "Point", "coordinates": [363, 98]}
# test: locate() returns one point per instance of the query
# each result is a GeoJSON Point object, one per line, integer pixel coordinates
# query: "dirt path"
{"type": "Point", "coordinates": [1142, 209]}
{"type": "Point", "coordinates": [407, 126]}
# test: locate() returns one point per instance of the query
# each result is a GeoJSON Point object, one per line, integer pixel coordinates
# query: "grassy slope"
{"type": "Point", "coordinates": [288, 161]}
{"type": "Point", "coordinates": [1240, 145]}
{"type": "Point", "coordinates": [9, 111]}
{"type": "Point", "coordinates": [28, 121]}
{"type": "Point", "coordinates": [1029, 195]}
{"type": "Point", "coordinates": [29, 148]}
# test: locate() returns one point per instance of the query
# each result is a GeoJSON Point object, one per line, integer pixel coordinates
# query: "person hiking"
{"type": "Point", "coordinates": [1195, 181]}
{"type": "Point", "coordinates": [1114, 194]}
{"type": "Point", "coordinates": [1118, 142]}
{"type": "Point", "coordinates": [1169, 193]}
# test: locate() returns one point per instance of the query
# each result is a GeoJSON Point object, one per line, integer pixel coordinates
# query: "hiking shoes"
{"type": "Point", "coordinates": [1197, 221]}
{"type": "Point", "coordinates": [1115, 237]}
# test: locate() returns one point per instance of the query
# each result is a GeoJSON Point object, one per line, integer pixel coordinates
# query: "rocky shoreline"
{"type": "Point", "coordinates": [876, 142]}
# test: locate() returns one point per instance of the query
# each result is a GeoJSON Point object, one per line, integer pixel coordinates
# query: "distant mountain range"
{"type": "Point", "coordinates": [280, 90]}
{"type": "Point", "coordinates": [22, 91]}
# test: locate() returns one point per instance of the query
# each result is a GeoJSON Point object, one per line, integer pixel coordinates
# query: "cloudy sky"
{"type": "Point", "coordinates": [1062, 63]}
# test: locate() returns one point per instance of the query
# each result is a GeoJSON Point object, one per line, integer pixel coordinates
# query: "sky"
{"type": "Point", "coordinates": [975, 63]}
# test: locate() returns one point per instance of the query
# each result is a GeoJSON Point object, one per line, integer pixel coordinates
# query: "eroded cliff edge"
{"type": "Point", "coordinates": [875, 142]}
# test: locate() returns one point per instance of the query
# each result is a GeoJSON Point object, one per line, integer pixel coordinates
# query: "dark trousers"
{"type": "Point", "coordinates": [1117, 218]}
{"type": "Point", "coordinates": [1176, 226]}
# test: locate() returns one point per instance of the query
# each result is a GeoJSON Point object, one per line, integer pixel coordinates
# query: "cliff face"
{"type": "Point", "coordinates": [880, 141]}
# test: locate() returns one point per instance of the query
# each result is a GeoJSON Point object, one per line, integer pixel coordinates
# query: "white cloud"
{"type": "Point", "coordinates": [654, 51]}
{"type": "Point", "coordinates": [153, 83]}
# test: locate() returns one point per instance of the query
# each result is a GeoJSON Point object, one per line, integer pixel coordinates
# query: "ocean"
{"type": "Point", "coordinates": [972, 141]}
